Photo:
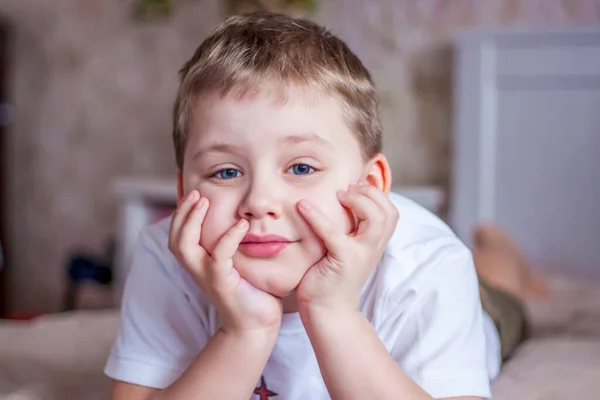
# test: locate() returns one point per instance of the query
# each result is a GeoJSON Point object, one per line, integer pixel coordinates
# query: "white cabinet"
{"type": "Point", "coordinates": [526, 143]}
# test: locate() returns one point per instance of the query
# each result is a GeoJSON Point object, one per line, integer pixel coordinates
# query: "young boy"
{"type": "Point", "coordinates": [284, 273]}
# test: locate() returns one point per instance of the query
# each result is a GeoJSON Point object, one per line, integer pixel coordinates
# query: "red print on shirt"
{"type": "Point", "coordinates": [263, 391]}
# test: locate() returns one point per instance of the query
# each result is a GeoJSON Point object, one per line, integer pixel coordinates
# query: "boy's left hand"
{"type": "Point", "coordinates": [335, 282]}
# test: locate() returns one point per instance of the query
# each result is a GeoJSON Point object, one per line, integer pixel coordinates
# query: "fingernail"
{"type": "Point", "coordinates": [191, 196]}
{"type": "Point", "coordinates": [363, 183]}
{"type": "Point", "coordinates": [352, 186]}
{"type": "Point", "coordinates": [242, 224]}
{"type": "Point", "coordinates": [341, 193]}
{"type": "Point", "coordinates": [304, 205]}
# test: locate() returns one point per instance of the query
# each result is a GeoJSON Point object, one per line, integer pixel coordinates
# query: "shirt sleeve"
{"type": "Point", "coordinates": [160, 331]}
{"type": "Point", "coordinates": [442, 342]}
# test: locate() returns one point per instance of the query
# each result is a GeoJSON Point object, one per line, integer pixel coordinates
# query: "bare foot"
{"type": "Point", "coordinates": [500, 263]}
{"type": "Point", "coordinates": [538, 287]}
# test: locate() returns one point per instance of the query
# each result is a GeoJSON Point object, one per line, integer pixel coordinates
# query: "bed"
{"type": "Point", "coordinates": [562, 360]}
{"type": "Point", "coordinates": [61, 356]}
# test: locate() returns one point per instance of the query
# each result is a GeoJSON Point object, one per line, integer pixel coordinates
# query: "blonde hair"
{"type": "Point", "coordinates": [248, 50]}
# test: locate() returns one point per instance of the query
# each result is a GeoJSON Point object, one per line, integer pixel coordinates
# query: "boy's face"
{"type": "Point", "coordinates": [255, 158]}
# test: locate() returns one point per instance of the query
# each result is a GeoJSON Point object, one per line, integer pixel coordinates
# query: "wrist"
{"type": "Point", "coordinates": [258, 343]}
{"type": "Point", "coordinates": [321, 316]}
{"type": "Point", "coordinates": [325, 307]}
{"type": "Point", "coordinates": [268, 333]}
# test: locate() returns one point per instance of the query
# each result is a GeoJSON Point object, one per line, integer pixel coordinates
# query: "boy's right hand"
{"type": "Point", "coordinates": [242, 308]}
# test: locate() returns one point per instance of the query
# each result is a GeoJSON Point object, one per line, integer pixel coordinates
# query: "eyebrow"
{"type": "Point", "coordinates": [290, 139]}
{"type": "Point", "coordinates": [307, 137]}
{"type": "Point", "coordinates": [222, 148]}
{"type": "Point", "coordinates": [219, 148]}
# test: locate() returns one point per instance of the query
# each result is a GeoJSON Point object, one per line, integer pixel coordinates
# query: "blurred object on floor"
{"type": "Point", "coordinates": [92, 296]}
{"type": "Point", "coordinates": [90, 279]}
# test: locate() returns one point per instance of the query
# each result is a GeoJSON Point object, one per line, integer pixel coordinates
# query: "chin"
{"type": "Point", "coordinates": [271, 277]}
{"type": "Point", "coordinates": [280, 291]}
{"type": "Point", "coordinates": [278, 286]}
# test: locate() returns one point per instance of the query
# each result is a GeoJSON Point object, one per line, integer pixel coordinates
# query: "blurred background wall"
{"type": "Point", "coordinates": [91, 90]}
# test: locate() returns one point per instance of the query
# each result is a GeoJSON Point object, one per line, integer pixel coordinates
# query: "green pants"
{"type": "Point", "coordinates": [509, 315]}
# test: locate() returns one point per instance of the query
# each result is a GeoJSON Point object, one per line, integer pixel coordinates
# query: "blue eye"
{"type": "Point", "coordinates": [301, 169]}
{"type": "Point", "coordinates": [228, 173]}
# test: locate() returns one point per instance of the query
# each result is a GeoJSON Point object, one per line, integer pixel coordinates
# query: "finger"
{"type": "Point", "coordinates": [180, 216]}
{"type": "Point", "coordinates": [229, 242]}
{"type": "Point", "coordinates": [362, 206]}
{"type": "Point", "coordinates": [189, 239]}
{"type": "Point", "coordinates": [371, 217]}
{"type": "Point", "coordinates": [381, 199]}
{"type": "Point", "coordinates": [373, 193]}
{"type": "Point", "coordinates": [322, 226]}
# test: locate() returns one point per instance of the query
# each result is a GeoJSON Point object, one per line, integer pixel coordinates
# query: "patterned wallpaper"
{"type": "Point", "coordinates": [92, 93]}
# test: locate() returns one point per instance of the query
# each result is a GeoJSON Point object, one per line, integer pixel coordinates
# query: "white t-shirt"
{"type": "Point", "coordinates": [422, 299]}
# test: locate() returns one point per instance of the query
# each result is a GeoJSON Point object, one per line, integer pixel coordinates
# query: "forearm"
{"type": "Point", "coordinates": [227, 368]}
{"type": "Point", "coordinates": [354, 362]}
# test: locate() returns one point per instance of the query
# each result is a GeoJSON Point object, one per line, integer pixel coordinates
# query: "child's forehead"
{"type": "Point", "coordinates": [301, 116]}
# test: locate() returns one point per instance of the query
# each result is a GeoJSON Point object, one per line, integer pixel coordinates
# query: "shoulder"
{"type": "Point", "coordinates": [423, 301]}
{"type": "Point", "coordinates": [153, 264]}
{"type": "Point", "coordinates": [416, 224]}
{"type": "Point", "coordinates": [423, 258]}
{"type": "Point", "coordinates": [165, 321]}
{"type": "Point", "coordinates": [152, 251]}
{"type": "Point", "coordinates": [154, 238]}
{"type": "Point", "coordinates": [423, 244]}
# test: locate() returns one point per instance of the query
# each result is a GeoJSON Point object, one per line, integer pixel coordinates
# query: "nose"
{"type": "Point", "coordinates": [260, 201]}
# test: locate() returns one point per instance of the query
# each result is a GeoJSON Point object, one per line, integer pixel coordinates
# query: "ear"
{"type": "Point", "coordinates": [179, 187]}
{"type": "Point", "coordinates": [378, 173]}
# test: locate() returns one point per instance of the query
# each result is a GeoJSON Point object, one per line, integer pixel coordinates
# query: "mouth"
{"type": "Point", "coordinates": [263, 246]}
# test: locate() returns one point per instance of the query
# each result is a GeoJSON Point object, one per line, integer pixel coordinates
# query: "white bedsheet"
{"type": "Point", "coordinates": [61, 356]}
